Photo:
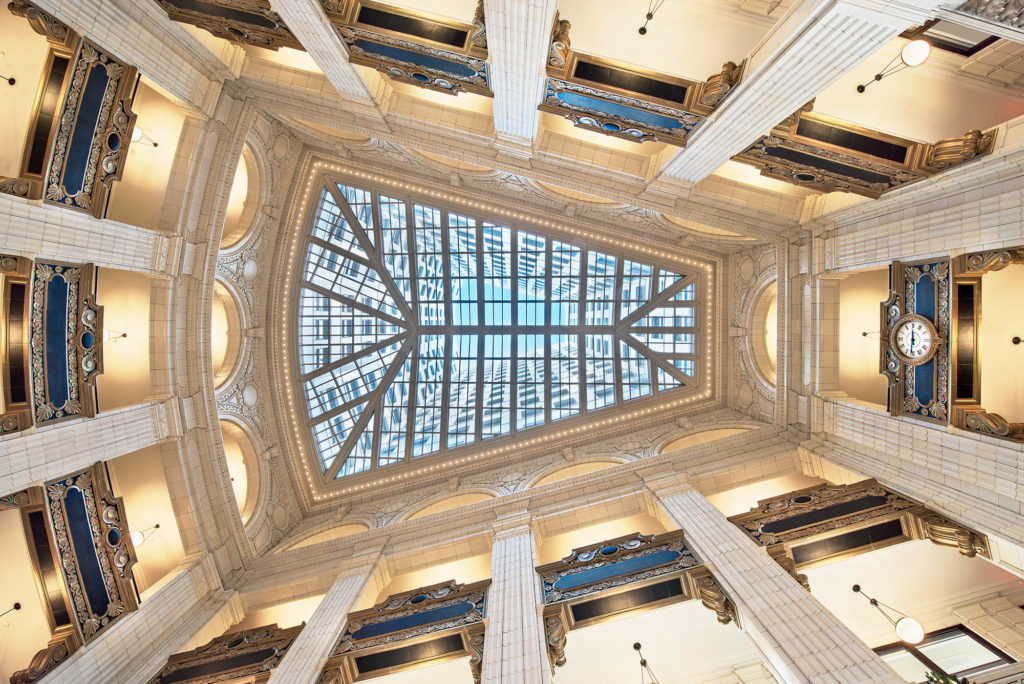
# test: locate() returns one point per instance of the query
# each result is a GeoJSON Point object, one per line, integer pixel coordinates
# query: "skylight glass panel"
{"type": "Point", "coordinates": [463, 258]}
{"type": "Point", "coordinates": [531, 380]}
{"type": "Point", "coordinates": [566, 260]}
{"type": "Point", "coordinates": [496, 398]}
{"type": "Point", "coordinates": [360, 201]}
{"type": "Point", "coordinates": [667, 317]}
{"type": "Point", "coordinates": [601, 375]}
{"type": "Point", "coordinates": [636, 372]}
{"type": "Point", "coordinates": [423, 330]}
{"type": "Point", "coordinates": [430, 375]}
{"type": "Point", "coordinates": [331, 226]}
{"type": "Point", "coordinates": [565, 376]}
{"type": "Point", "coordinates": [497, 279]}
{"type": "Point", "coordinates": [636, 285]}
{"type": "Point", "coordinates": [532, 279]}
{"type": "Point", "coordinates": [394, 423]}
{"type": "Point", "coordinates": [429, 265]}
{"type": "Point", "coordinates": [600, 299]}
{"type": "Point", "coordinates": [462, 396]}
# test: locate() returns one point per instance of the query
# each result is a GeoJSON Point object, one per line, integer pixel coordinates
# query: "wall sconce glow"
{"type": "Point", "coordinates": [913, 54]}
{"type": "Point", "coordinates": [907, 628]}
{"type": "Point", "coordinates": [139, 537]}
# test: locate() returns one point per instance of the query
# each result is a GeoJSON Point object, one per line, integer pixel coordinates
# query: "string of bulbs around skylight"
{"type": "Point", "coordinates": [424, 329]}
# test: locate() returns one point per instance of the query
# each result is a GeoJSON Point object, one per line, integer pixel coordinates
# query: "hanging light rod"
{"type": "Point", "coordinates": [907, 628]}
{"type": "Point", "coordinates": [652, 7]}
{"type": "Point", "coordinates": [645, 669]}
{"type": "Point", "coordinates": [913, 54]}
{"type": "Point", "coordinates": [16, 606]}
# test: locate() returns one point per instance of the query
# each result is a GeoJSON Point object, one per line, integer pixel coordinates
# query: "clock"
{"type": "Point", "coordinates": [914, 339]}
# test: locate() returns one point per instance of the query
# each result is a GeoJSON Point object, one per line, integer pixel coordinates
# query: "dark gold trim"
{"type": "Point", "coordinates": [469, 627]}
{"type": "Point", "coordinates": [230, 646]}
{"type": "Point", "coordinates": [694, 89]}
{"type": "Point", "coordinates": [967, 413]}
{"type": "Point", "coordinates": [346, 12]}
{"type": "Point", "coordinates": [916, 522]}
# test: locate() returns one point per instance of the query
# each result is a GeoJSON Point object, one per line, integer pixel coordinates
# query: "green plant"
{"type": "Point", "coordinates": [935, 678]}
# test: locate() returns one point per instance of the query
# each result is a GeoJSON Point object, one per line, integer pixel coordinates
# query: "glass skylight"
{"type": "Point", "coordinates": [423, 329]}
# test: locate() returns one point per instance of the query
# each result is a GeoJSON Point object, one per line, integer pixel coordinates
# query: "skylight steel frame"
{"type": "Point", "coordinates": [370, 241]}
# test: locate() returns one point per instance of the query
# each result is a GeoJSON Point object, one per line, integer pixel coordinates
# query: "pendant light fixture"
{"type": "Point", "coordinates": [907, 628]}
{"type": "Point", "coordinates": [913, 54]}
{"type": "Point", "coordinates": [139, 537]}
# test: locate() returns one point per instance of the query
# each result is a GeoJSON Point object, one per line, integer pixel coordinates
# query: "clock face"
{"type": "Point", "coordinates": [913, 339]}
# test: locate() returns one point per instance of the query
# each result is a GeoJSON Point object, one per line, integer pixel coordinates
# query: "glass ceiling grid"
{"type": "Point", "coordinates": [423, 330]}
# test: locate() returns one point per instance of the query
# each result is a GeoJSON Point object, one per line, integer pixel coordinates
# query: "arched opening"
{"type": "Point", "coordinates": [1001, 389]}
{"type": "Point", "coordinates": [327, 535]}
{"type": "Point", "coordinates": [140, 478]}
{"type": "Point", "coordinates": [243, 200]}
{"type": "Point", "coordinates": [451, 502]}
{"type": "Point", "coordinates": [243, 467]}
{"type": "Point", "coordinates": [860, 296]}
{"type": "Point", "coordinates": [702, 436]}
{"type": "Point", "coordinates": [764, 333]}
{"type": "Point", "coordinates": [127, 299]}
{"type": "Point", "coordinates": [225, 334]}
{"type": "Point", "coordinates": [574, 470]}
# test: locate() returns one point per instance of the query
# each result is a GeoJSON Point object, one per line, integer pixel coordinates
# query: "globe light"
{"type": "Point", "coordinates": [136, 134]}
{"type": "Point", "coordinates": [909, 630]}
{"type": "Point", "coordinates": [137, 538]}
{"type": "Point", "coordinates": [915, 52]}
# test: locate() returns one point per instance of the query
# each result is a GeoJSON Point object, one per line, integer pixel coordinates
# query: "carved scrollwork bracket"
{"type": "Point", "coordinates": [44, 24]}
{"type": "Point", "coordinates": [475, 646]}
{"type": "Point", "coordinates": [478, 38]}
{"type": "Point", "coordinates": [713, 597]}
{"type": "Point", "coordinates": [719, 85]}
{"type": "Point", "coordinates": [782, 557]}
{"type": "Point", "coordinates": [951, 151]}
{"type": "Point", "coordinates": [945, 532]}
{"type": "Point", "coordinates": [66, 641]}
{"type": "Point", "coordinates": [561, 45]}
{"type": "Point", "coordinates": [983, 262]}
{"type": "Point", "coordinates": [556, 628]}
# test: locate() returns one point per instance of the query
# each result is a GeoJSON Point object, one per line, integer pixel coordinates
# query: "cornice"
{"type": "Point", "coordinates": [700, 461]}
{"type": "Point", "coordinates": [690, 204]}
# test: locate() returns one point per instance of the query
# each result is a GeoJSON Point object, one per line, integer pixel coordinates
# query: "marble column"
{"type": "Point", "coordinates": [36, 455]}
{"type": "Point", "coordinates": [171, 614]}
{"type": "Point", "coordinates": [308, 656]}
{"type": "Point", "coordinates": [799, 639]}
{"type": "Point", "coordinates": [518, 38]}
{"type": "Point", "coordinates": [814, 45]}
{"type": "Point", "coordinates": [45, 231]}
{"type": "Point", "coordinates": [514, 647]}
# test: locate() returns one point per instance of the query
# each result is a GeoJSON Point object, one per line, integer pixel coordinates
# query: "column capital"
{"type": "Point", "coordinates": [664, 480]}
{"type": "Point", "coordinates": [511, 519]}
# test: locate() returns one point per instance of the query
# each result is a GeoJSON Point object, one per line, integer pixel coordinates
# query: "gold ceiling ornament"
{"type": "Point", "coordinates": [829, 155]}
